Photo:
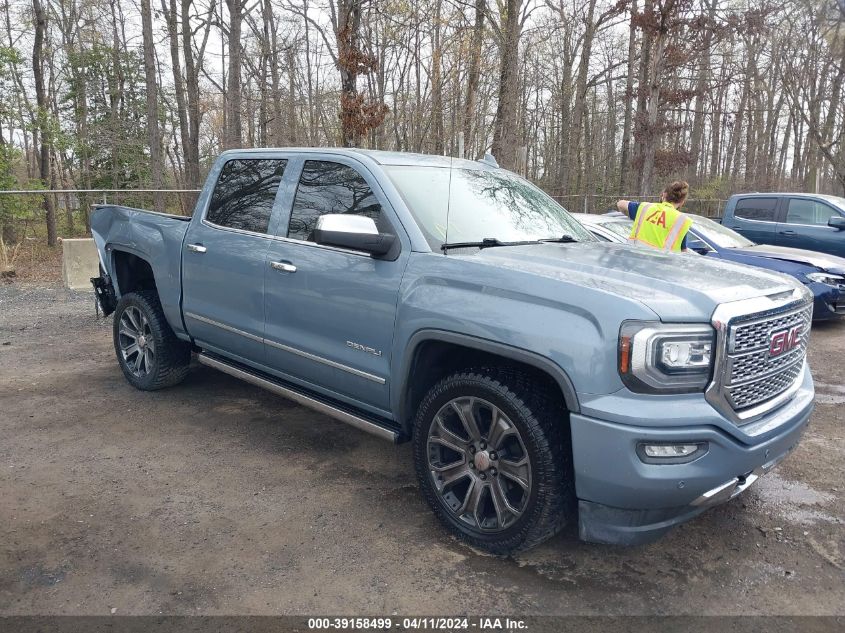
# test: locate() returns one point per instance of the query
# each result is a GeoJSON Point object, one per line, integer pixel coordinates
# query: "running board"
{"type": "Point", "coordinates": [307, 401]}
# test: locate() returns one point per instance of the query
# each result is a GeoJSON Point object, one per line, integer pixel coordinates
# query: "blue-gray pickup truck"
{"type": "Point", "coordinates": [544, 378]}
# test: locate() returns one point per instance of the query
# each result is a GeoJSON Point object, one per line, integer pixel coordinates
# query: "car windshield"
{"type": "Point", "coordinates": [619, 227]}
{"type": "Point", "coordinates": [836, 200]}
{"type": "Point", "coordinates": [471, 205]}
{"type": "Point", "coordinates": [721, 236]}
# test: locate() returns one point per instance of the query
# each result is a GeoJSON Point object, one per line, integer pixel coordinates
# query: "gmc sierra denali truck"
{"type": "Point", "coordinates": [544, 378]}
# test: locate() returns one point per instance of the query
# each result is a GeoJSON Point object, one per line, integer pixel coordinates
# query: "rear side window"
{"type": "Point", "coordinates": [327, 187]}
{"type": "Point", "coordinates": [803, 211]}
{"type": "Point", "coordinates": [244, 194]}
{"type": "Point", "coordinates": [760, 209]}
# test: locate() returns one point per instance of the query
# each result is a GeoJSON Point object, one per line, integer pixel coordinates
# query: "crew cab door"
{"type": "Point", "coordinates": [329, 311]}
{"type": "Point", "coordinates": [223, 258]}
{"type": "Point", "coordinates": [806, 226]}
{"type": "Point", "coordinates": [756, 218]}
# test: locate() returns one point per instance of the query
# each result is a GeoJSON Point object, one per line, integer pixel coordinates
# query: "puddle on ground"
{"type": "Point", "coordinates": [794, 500]}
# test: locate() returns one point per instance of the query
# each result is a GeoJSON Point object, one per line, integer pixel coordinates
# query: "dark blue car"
{"type": "Point", "coordinates": [823, 274]}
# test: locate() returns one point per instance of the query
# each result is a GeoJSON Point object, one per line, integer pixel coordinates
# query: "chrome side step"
{"type": "Point", "coordinates": [307, 401]}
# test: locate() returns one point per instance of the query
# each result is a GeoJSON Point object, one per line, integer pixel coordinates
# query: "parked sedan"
{"type": "Point", "coordinates": [823, 274]}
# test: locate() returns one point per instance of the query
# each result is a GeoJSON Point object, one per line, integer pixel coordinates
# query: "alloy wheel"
{"type": "Point", "coordinates": [479, 464]}
{"type": "Point", "coordinates": [137, 345]}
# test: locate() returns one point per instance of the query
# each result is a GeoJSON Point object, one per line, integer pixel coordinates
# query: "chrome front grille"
{"type": "Point", "coordinates": [755, 372]}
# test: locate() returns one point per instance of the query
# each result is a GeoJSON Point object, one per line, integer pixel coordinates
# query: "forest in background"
{"type": "Point", "coordinates": [584, 97]}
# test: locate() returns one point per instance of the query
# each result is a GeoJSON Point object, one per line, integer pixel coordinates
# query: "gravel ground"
{"type": "Point", "coordinates": [215, 497]}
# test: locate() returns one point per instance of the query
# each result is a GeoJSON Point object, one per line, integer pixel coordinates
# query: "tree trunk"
{"type": "Point", "coordinates": [437, 85]}
{"type": "Point", "coordinates": [292, 122]}
{"type": "Point", "coordinates": [473, 75]}
{"type": "Point", "coordinates": [233, 135]}
{"type": "Point", "coordinates": [625, 158]}
{"type": "Point", "coordinates": [348, 25]}
{"type": "Point", "coordinates": [701, 93]}
{"type": "Point", "coordinates": [277, 136]}
{"type": "Point", "coordinates": [575, 149]}
{"type": "Point", "coordinates": [191, 148]}
{"type": "Point", "coordinates": [651, 140]}
{"type": "Point", "coordinates": [506, 137]}
{"type": "Point", "coordinates": [43, 113]}
{"type": "Point", "coordinates": [153, 132]}
{"type": "Point", "coordinates": [640, 131]}
{"type": "Point", "coordinates": [171, 18]}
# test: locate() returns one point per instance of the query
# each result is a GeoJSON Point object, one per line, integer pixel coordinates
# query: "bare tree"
{"type": "Point", "coordinates": [150, 80]}
{"type": "Point", "coordinates": [43, 117]}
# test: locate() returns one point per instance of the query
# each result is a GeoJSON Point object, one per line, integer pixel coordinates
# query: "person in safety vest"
{"type": "Point", "coordinates": [661, 224]}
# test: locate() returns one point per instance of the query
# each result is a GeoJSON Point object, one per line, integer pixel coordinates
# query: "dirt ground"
{"type": "Point", "coordinates": [215, 497]}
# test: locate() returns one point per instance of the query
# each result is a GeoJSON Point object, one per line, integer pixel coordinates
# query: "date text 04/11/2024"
{"type": "Point", "coordinates": [418, 623]}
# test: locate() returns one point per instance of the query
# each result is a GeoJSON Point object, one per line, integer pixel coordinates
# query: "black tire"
{"type": "Point", "coordinates": [546, 504]}
{"type": "Point", "coordinates": [166, 361]}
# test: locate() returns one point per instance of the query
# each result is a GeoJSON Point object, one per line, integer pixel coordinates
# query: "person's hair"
{"type": "Point", "coordinates": [676, 192]}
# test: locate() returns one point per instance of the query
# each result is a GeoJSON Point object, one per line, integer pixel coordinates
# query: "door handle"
{"type": "Point", "coordinates": [285, 267]}
{"type": "Point", "coordinates": [788, 233]}
{"type": "Point", "coordinates": [197, 248]}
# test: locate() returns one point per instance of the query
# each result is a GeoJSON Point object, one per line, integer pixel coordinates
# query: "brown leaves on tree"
{"type": "Point", "coordinates": [357, 114]}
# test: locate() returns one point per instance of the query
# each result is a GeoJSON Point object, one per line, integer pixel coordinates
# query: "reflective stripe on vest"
{"type": "Point", "coordinates": [660, 225]}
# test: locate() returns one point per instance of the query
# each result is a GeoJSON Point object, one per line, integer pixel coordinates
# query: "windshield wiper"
{"type": "Point", "coordinates": [487, 242]}
{"type": "Point", "coordinates": [563, 239]}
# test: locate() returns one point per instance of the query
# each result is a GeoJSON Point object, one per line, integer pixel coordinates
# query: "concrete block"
{"type": "Point", "coordinates": [80, 262]}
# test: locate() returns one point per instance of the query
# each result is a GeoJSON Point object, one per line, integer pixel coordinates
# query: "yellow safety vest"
{"type": "Point", "coordinates": [660, 225]}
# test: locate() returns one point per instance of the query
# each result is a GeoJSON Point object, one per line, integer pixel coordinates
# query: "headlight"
{"type": "Point", "coordinates": [826, 278]}
{"type": "Point", "coordinates": [665, 358]}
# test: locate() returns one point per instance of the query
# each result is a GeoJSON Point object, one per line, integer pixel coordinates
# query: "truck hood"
{"type": "Point", "coordinates": [677, 287]}
{"type": "Point", "coordinates": [822, 261]}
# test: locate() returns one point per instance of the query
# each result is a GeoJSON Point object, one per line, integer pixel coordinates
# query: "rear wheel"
{"type": "Point", "coordinates": [493, 460]}
{"type": "Point", "coordinates": [149, 353]}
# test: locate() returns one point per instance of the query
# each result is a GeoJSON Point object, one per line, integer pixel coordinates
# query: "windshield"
{"type": "Point", "coordinates": [836, 200]}
{"type": "Point", "coordinates": [484, 204]}
{"type": "Point", "coordinates": [721, 236]}
{"type": "Point", "coordinates": [620, 227]}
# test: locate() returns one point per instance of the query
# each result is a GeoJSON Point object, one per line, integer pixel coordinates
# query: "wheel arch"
{"type": "Point", "coordinates": [131, 272]}
{"type": "Point", "coordinates": [432, 354]}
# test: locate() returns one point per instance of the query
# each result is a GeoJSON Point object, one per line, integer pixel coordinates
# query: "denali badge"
{"type": "Point", "coordinates": [784, 341]}
{"type": "Point", "coordinates": [363, 348]}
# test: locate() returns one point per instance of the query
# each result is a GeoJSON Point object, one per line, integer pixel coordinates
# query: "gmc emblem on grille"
{"type": "Point", "coordinates": [784, 341]}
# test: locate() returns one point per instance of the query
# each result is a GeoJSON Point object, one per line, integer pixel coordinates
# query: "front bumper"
{"type": "Point", "coordinates": [828, 301]}
{"type": "Point", "coordinates": [623, 500]}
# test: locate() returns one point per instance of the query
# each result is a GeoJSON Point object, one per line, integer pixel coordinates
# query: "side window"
{"type": "Point", "coordinates": [327, 187]}
{"type": "Point", "coordinates": [803, 211]}
{"type": "Point", "coordinates": [760, 209]}
{"type": "Point", "coordinates": [244, 194]}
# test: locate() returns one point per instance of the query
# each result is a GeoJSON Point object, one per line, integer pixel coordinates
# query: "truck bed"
{"type": "Point", "coordinates": [154, 237]}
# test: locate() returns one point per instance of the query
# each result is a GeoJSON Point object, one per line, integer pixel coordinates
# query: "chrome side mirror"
{"type": "Point", "coordinates": [355, 232]}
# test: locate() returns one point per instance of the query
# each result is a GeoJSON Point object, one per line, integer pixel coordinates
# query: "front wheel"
{"type": "Point", "coordinates": [493, 459]}
{"type": "Point", "coordinates": [148, 351]}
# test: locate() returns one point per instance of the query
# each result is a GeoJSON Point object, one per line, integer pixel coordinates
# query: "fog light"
{"type": "Point", "coordinates": [671, 453]}
{"type": "Point", "coordinates": [669, 450]}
